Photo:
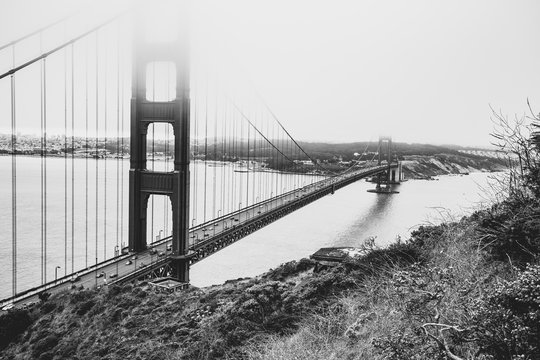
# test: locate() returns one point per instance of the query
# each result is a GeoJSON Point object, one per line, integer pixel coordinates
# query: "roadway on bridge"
{"type": "Point", "coordinates": [123, 265]}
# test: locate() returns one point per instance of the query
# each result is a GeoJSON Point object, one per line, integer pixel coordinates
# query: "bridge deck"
{"type": "Point", "coordinates": [205, 239]}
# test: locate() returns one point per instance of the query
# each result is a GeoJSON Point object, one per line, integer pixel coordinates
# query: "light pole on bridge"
{"type": "Point", "coordinates": [116, 255]}
{"type": "Point", "coordinates": [56, 273]}
{"type": "Point", "coordinates": [216, 223]}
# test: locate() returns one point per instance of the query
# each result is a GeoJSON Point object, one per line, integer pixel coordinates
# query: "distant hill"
{"type": "Point", "coordinates": [346, 150]}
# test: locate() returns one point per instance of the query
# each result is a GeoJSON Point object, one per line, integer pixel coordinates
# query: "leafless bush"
{"type": "Point", "coordinates": [518, 139]}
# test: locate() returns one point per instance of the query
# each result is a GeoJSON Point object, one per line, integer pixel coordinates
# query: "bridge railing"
{"type": "Point", "coordinates": [63, 279]}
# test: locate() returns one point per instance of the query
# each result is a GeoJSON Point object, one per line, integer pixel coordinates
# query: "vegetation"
{"type": "Point", "coordinates": [467, 289]}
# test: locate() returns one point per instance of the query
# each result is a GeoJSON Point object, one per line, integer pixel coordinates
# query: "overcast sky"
{"type": "Point", "coordinates": [422, 71]}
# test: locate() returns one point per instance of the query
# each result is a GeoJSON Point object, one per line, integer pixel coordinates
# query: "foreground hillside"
{"type": "Point", "coordinates": [464, 290]}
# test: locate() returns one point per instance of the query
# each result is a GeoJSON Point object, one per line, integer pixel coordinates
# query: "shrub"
{"type": "Point", "coordinates": [44, 345]}
{"type": "Point", "coordinates": [84, 307]}
{"type": "Point", "coordinates": [507, 319]}
{"type": "Point", "coordinates": [12, 324]}
{"type": "Point", "coordinates": [512, 231]}
{"type": "Point", "coordinates": [47, 307]}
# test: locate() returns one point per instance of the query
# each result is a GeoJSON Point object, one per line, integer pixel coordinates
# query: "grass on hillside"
{"type": "Point", "coordinates": [462, 290]}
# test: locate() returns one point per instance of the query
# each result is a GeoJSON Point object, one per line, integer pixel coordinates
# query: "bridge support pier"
{"type": "Point", "coordinates": [174, 111]}
{"type": "Point", "coordinates": [396, 174]}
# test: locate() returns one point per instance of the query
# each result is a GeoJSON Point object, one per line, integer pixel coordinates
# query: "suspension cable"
{"type": "Point", "coordinates": [288, 134]}
{"type": "Point", "coordinates": [60, 47]}
{"type": "Point", "coordinates": [37, 31]}
{"type": "Point", "coordinates": [257, 129]}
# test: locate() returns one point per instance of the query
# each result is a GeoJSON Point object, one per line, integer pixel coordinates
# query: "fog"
{"type": "Point", "coordinates": [422, 71]}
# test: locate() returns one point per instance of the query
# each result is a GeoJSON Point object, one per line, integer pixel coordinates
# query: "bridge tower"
{"type": "Point", "coordinates": [176, 112]}
{"type": "Point", "coordinates": [394, 174]}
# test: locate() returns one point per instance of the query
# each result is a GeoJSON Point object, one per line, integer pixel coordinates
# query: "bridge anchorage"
{"type": "Point", "coordinates": [393, 174]}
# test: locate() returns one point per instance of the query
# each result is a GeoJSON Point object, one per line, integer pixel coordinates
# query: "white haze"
{"type": "Point", "coordinates": [423, 71]}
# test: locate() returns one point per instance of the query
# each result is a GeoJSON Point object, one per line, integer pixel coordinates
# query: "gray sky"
{"type": "Point", "coordinates": [422, 71]}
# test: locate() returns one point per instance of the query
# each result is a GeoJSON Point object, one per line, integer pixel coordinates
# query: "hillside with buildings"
{"type": "Point", "coordinates": [419, 160]}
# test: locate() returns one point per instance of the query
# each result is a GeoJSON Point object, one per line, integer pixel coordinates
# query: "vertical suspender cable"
{"type": "Point", "coordinates": [228, 131]}
{"type": "Point", "coordinates": [223, 137]}
{"type": "Point", "coordinates": [256, 189]}
{"type": "Point", "coordinates": [86, 158]}
{"type": "Point", "coordinates": [205, 148]}
{"type": "Point", "coordinates": [249, 144]}
{"type": "Point", "coordinates": [41, 159]}
{"type": "Point", "coordinates": [240, 151]}
{"type": "Point", "coordinates": [271, 161]}
{"type": "Point", "coordinates": [256, 176]}
{"type": "Point", "coordinates": [276, 161]}
{"type": "Point", "coordinates": [279, 175]}
{"type": "Point", "coordinates": [290, 178]}
{"type": "Point", "coordinates": [262, 151]}
{"type": "Point", "coordinates": [232, 176]}
{"type": "Point", "coordinates": [13, 184]}
{"type": "Point", "coordinates": [215, 152]}
{"type": "Point", "coordinates": [265, 157]}
{"type": "Point", "coordinates": [45, 170]}
{"type": "Point", "coordinates": [65, 164]}
{"type": "Point", "coordinates": [153, 150]}
{"type": "Point", "coordinates": [165, 199]}
{"type": "Point", "coordinates": [72, 159]}
{"type": "Point", "coordinates": [236, 139]}
{"type": "Point", "coordinates": [195, 154]}
{"type": "Point", "coordinates": [43, 174]}
{"type": "Point", "coordinates": [247, 169]}
{"type": "Point", "coordinates": [280, 162]}
{"type": "Point", "coordinates": [269, 153]}
{"type": "Point", "coordinates": [117, 250]}
{"type": "Point", "coordinates": [105, 77]}
{"type": "Point", "coordinates": [122, 171]}
{"type": "Point", "coordinates": [122, 163]}
{"type": "Point", "coordinates": [291, 166]}
{"type": "Point", "coordinates": [228, 159]}
{"type": "Point", "coordinates": [96, 145]}
{"type": "Point", "coordinates": [232, 184]}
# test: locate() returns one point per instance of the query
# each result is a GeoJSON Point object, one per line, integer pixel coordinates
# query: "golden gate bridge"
{"type": "Point", "coordinates": [215, 163]}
